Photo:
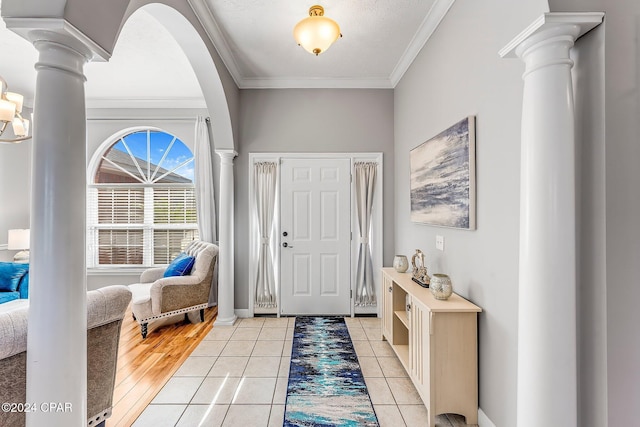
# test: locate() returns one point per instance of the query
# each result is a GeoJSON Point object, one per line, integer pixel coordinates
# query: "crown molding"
{"type": "Point", "coordinates": [208, 21]}
{"type": "Point", "coordinates": [217, 38]}
{"type": "Point", "coordinates": [311, 83]}
{"type": "Point", "coordinates": [428, 26]}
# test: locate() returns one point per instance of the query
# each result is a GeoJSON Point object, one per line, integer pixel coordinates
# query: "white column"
{"type": "Point", "coordinates": [547, 359]}
{"type": "Point", "coordinates": [57, 348]}
{"type": "Point", "coordinates": [226, 288]}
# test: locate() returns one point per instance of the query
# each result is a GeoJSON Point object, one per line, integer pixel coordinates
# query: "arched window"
{"type": "Point", "coordinates": [142, 208]}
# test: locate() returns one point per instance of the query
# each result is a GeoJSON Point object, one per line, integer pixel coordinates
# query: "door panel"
{"type": "Point", "coordinates": [316, 215]}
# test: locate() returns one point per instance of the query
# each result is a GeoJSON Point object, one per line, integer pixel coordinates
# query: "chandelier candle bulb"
{"type": "Point", "coordinates": [15, 98]}
{"type": "Point", "coordinates": [10, 108]}
{"type": "Point", "coordinates": [20, 126]}
{"type": "Point", "coordinates": [7, 110]}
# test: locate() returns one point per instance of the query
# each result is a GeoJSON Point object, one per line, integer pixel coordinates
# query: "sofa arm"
{"type": "Point", "coordinates": [152, 274]}
{"type": "Point", "coordinates": [13, 332]}
{"type": "Point", "coordinates": [178, 284]}
{"type": "Point", "coordinates": [106, 305]}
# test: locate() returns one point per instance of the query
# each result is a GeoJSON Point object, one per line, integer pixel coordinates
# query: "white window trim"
{"type": "Point", "coordinates": [93, 268]}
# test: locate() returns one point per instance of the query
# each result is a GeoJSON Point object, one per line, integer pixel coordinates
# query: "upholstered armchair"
{"type": "Point", "coordinates": [105, 311]}
{"type": "Point", "coordinates": [157, 297]}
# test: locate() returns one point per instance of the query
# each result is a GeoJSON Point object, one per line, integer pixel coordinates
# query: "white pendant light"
{"type": "Point", "coordinates": [317, 32]}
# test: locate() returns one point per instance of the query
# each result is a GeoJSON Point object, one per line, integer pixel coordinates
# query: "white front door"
{"type": "Point", "coordinates": [315, 236]}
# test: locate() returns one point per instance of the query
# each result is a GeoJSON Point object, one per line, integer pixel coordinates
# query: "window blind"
{"type": "Point", "coordinates": [120, 205]}
{"type": "Point", "coordinates": [167, 244]}
{"type": "Point", "coordinates": [173, 205]}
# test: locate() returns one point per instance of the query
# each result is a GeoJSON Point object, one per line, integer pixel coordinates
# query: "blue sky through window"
{"type": "Point", "coordinates": [160, 142]}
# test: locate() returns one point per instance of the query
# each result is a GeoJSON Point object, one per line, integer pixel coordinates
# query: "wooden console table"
{"type": "Point", "coordinates": [436, 342]}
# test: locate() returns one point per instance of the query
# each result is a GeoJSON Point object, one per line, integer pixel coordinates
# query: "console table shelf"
{"type": "Point", "coordinates": [402, 316]}
{"type": "Point", "coordinates": [436, 342]}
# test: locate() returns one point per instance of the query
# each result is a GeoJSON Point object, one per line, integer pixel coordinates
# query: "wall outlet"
{"type": "Point", "coordinates": [440, 243]}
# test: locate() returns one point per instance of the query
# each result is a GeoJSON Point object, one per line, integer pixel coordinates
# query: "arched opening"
{"type": "Point", "coordinates": [59, 176]}
{"type": "Point", "coordinates": [205, 69]}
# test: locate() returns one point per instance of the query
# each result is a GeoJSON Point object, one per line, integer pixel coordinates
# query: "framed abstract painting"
{"type": "Point", "coordinates": [443, 178]}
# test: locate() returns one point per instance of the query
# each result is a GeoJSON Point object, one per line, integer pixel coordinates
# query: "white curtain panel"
{"type": "Point", "coordinates": [205, 202]}
{"type": "Point", "coordinates": [265, 192]}
{"type": "Point", "coordinates": [365, 185]}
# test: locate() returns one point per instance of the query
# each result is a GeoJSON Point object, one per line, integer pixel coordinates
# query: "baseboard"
{"type": "Point", "coordinates": [483, 420]}
{"type": "Point", "coordinates": [242, 312]}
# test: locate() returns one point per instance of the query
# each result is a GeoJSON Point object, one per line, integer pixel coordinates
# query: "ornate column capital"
{"type": "Point", "coordinates": [550, 25]}
{"type": "Point", "coordinates": [57, 30]}
{"type": "Point", "coordinates": [227, 156]}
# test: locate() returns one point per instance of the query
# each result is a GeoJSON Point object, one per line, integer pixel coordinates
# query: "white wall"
{"type": "Point", "coordinates": [459, 73]}
{"type": "Point", "coordinates": [310, 120]}
{"type": "Point", "coordinates": [15, 188]}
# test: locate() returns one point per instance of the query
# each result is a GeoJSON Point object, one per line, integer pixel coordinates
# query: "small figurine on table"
{"type": "Point", "coordinates": [419, 272]}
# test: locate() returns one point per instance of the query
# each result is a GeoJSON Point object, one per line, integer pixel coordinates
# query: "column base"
{"type": "Point", "coordinates": [227, 321]}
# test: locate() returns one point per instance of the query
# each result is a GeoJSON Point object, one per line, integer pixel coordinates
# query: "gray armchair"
{"type": "Point", "coordinates": [157, 297]}
{"type": "Point", "coordinates": [105, 311]}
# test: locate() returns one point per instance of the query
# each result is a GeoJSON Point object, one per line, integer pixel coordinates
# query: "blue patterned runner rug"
{"type": "Point", "coordinates": [326, 386]}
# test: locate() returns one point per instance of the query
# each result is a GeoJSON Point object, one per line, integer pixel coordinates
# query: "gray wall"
{"type": "Point", "coordinates": [622, 203]}
{"type": "Point", "coordinates": [459, 73]}
{"type": "Point", "coordinates": [588, 78]}
{"type": "Point", "coordinates": [310, 120]}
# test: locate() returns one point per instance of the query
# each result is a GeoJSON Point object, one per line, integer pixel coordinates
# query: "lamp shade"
{"type": "Point", "coordinates": [16, 98]}
{"type": "Point", "coordinates": [7, 110]}
{"type": "Point", "coordinates": [18, 239]}
{"type": "Point", "coordinates": [20, 126]}
{"type": "Point", "coordinates": [317, 32]}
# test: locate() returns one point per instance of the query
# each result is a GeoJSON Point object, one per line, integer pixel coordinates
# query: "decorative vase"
{"type": "Point", "coordinates": [441, 286]}
{"type": "Point", "coordinates": [400, 263]}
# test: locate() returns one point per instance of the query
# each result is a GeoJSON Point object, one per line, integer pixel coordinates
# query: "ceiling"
{"type": "Point", "coordinates": [254, 38]}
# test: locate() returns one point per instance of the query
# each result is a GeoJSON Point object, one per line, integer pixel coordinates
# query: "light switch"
{"type": "Point", "coordinates": [440, 242]}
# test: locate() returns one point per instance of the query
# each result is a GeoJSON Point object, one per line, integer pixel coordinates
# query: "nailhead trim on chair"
{"type": "Point", "coordinates": [97, 419]}
{"type": "Point", "coordinates": [173, 313]}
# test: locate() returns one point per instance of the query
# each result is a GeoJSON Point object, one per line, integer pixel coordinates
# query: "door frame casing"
{"type": "Point", "coordinates": [376, 238]}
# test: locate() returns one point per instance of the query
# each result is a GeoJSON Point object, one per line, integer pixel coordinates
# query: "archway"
{"type": "Point", "coordinates": [67, 38]}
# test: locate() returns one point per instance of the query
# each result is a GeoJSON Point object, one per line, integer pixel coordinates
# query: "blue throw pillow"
{"type": "Point", "coordinates": [10, 275]}
{"type": "Point", "coordinates": [180, 266]}
{"type": "Point", "coordinates": [24, 286]}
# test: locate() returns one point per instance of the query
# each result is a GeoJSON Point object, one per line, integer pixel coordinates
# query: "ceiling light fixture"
{"type": "Point", "coordinates": [317, 32]}
{"type": "Point", "coordinates": [10, 109]}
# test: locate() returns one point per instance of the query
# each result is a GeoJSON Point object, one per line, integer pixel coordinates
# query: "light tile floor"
{"type": "Point", "coordinates": [238, 377]}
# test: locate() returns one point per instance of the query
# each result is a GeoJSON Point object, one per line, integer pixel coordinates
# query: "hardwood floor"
{"type": "Point", "coordinates": [144, 366]}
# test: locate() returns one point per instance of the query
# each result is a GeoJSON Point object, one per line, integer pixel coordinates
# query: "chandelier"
{"type": "Point", "coordinates": [10, 109]}
{"type": "Point", "coordinates": [317, 32]}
